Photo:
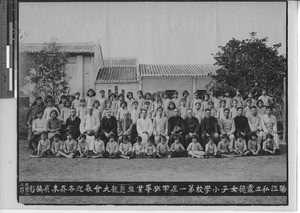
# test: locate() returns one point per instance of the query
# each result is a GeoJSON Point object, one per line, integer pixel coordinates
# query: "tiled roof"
{"type": "Point", "coordinates": [150, 70]}
{"type": "Point", "coordinates": [63, 47]}
{"type": "Point", "coordinates": [111, 62]}
{"type": "Point", "coordinates": [117, 74]}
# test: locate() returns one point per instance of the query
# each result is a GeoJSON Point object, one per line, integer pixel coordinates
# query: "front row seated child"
{"type": "Point", "coordinates": [195, 150]}
{"type": "Point", "coordinates": [69, 147]}
{"type": "Point", "coordinates": [44, 147]}
{"type": "Point", "coordinates": [98, 146]}
{"type": "Point", "coordinates": [83, 147]}
{"type": "Point", "coordinates": [112, 148]}
{"type": "Point", "coordinates": [210, 148]}
{"type": "Point", "coordinates": [224, 148]}
{"type": "Point", "coordinates": [138, 149]}
{"type": "Point", "coordinates": [177, 149]}
{"type": "Point", "coordinates": [162, 149]}
{"type": "Point", "coordinates": [125, 148]}
{"type": "Point", "coordinates": [240, 147]}
{"type": "Point", "coordinates": [150, 151]}
{"type": "Point", "coordinates": [269, 146]}
{"type": "Point", "coordinates": [57, 145]}
{"type": "Point", "coordinates": [253, 145]}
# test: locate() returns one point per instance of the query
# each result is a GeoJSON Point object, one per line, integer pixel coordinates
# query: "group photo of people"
{"type": "Point", "coordinates": [153, 125]}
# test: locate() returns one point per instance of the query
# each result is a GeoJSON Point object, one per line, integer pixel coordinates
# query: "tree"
{"type": "Point", "coordinates": [249, 65]}
{"type": "Point", "coordinates": [47, 72]}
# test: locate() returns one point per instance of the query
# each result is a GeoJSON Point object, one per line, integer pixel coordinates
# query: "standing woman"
{"type": "Point", "coordinates": [121, 98]}
{"type": "Point", "coordinates": [140, 99]}
{"type": "Point", "coordinates": [170, 109]}
{"type": "Point", "coordinates": [62, 102]}
{"type": "Point", "coordinates": [148, 97]}
{"type": "Point", "coordinates": [37, 106]}
{"type": "Point", "coordinates": [114, 103]}
{"type": "Point", "coordinates": [130, 99]}
{"type": "Point", "coordinates": [53, 124]}
{"type": "Point", "coordinates": [91, 94]}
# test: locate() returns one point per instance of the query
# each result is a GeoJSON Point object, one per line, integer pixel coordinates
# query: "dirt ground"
{"type": "Point", "coordinates": [261, 168]}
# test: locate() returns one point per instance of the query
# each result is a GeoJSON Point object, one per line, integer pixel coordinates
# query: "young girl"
{"type": "Point", "coordinates": [62, 102]}
{"type": "Point", "coordinates": [49, 109]}
{"type": "Point", "coordinates": [253, 145]}
{"type": "Point", "coordinates": [261, 110]}
{"type": "Point", "coordinates": [183, 107]}
{"type": "Point", "coordinates": [175, 99]}
{"type": "Point", "coordinates": [148, 97]}
{"type": "Point", "coordinates": [155, 102]}
{"type": "Point", "coordinates": [224, 148]}
{"type": "Point", "coordinates": [170, 109]}
{"type": "Point", "coordinates": [65, 112]}
{"type": "Point", "coordinates": [146, 106]}
{"type": "Point", "coordinates": [197, 112]}
{"type": "Point", "coordinates": [108, 106]}
{"type": "Point", "coordinates": [185, 95]}
{"type": "Point", "coordinates": [44, 147]}
{"type": "Point", "coordinates": [210, 105]}
{"type": "Point", "coordinates": [138, 150]}
{"type": "Point", "coordinates": [233, 110]}
{"type": "Point", "coordinates": [228, 100]}
{"type": "Point", "coordinates": [76, 102]}
{"type": "Point", "coordinates": [210, 148]}
{"type": "Point", "coordinates": [114, 103]}
{"type": "Point", "coordinates": [125, 148]}
{"type": "Point", "coordinates": [97, 110]}
{"type": "Point", "coordinates": [90, 97]}
{"type": "Point", "coordinates": [159, 105]}
{"type": "Point", "coordinates": [177, 149]}
{"type": "Point", "coordinates": [82, 110]}
{"type": "Point", "coordinates": [135, 112]}
{"type": "Point", "coordinates": [240, 146]}
{"type": "Point", "coordinates": [53, 124]}
{"type": "Point", "coordinates": [69, 147]}
{"type": "Point", "coordinates": [140, 99]}
{"type": "Point", "coordinates": [269, 146]}
{"type": "Point", "coordinates": [102, 101]}
{"type": "Point", "coordinates": [220, 111]}
{"type": "Point", "coordinates": [217, 100]}
{"type": "Point", "coordinates": [57, 145]}
{"type": "Point", "coordinates": [166, 100]}
{"type": "Point", "coordinates": [239, 98]}
{"type": "Point", "coordinates": [130, 99]}
{"type": "Point", "coordinates": [205, 102]}
{"type": "Point", "coordinates": [112, 148]}
{"type": "Point", "coordinates": [150, 151]}
{"type": "Point", "coordinates": [162, 148]}
{"type": "Point", "coordinates": [247, 110]}
{"type": "Point", "coordinates": [120, 100]}
{"type": "Point", "coordinates": [196, 99]}
{"type": "Point", "coordinates": [121, 110]}
{"type": "Point", "coordinates": [83, 147]}
{"type": "Point", "coordinates": [98, 146]}
{"type": "Point", "coordinates": [195, 150]}
{"type": "Point", "coordinates": [250, 97]}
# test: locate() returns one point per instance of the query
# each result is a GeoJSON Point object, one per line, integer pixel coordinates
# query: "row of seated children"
{"type": "Point", "coordinates": [70, 148]}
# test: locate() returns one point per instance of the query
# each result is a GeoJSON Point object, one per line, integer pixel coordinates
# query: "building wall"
{"type": "Point", "coordinates": [72, 74]}
{"type": "Point", "coordinates": [133, 87]}
{"type": "Point", "coordinates": [201, 82]}
{"type": "Point", "coordinates": [88, 75]}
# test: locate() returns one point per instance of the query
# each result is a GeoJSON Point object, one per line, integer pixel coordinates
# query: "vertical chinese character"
{"type": "Point", "coordinates": [122, 189]}
{"type": "Point", "coordinates": [265, 189]}
{"type": "Point", "coordinates": [148, 188]}
{"type": "Point", "coordinates": [88, 188]}
{"type": "Point", "coordinates": [79, 188]}
{"type": "Point", "coordinates": [97, 188]}
{"type": "Point", "coordinates": [207, 189]}
{"type": "Point", "coordinates": [165, 188]}
{"type": "Point", "coordinates": [216, 189]}
{"type": "Point", "coordinates": [282, 188]}
{"type": "Point", "coordinates": [106, 189]}
{"type": "Point", "coordinates": [27, 189]}
{"type": "Point", "coordinates": [174, 189]}
{"type": "Point", "coordinates": [47, 188]}
{"type": "Point", "coordinates": [71, 188]}
{"type": "Point", "coordinates": [199, 189]}
{"type": "Point", "coordinates": [157, 188]}
{"type": "Point", "coordinates": [22, 189]}
{"type": "Point", "coordinates": [191, 189]}
{"type": "Point", "coordinates": [140, 188]}
{"type": "Point", "coordinates": [274, 188]}
{"type": "Point", "coordinates": [234, 189]}
{"type": "Point", "coordinates": [55, 189]}
{"type": "Point", "coordinates": [242, 189]}
{"type": "Point", "coordinates": [250, 189]}
{"type": "Point", "coordinates": [224, 189]}
{"type": "Point", "coordinates": [131, 189]}
{"type": "Point", "coordinates": [39, 189]}
{"type": "Point", "coordinates": [114, 189]}
{"type": "Point", "coordinates": [63, 189]}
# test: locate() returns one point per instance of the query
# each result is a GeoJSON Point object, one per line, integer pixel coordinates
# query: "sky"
{"type": "Point", "coordinates": [155, 32]}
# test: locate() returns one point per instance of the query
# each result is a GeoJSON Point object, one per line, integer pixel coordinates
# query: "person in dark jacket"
{"type": "Point", "coordinates": [108, 125]}
{"type": "Point", "coordinates": [72, 124]}
{"type": "Point", "coordinates": [176, 127]}
{"type": "Point", "coordinates": [241, 123]}
{"type": "Point", "coordinates": [191, 124]}
{"type": "Point", "coordinates": [209, 128]}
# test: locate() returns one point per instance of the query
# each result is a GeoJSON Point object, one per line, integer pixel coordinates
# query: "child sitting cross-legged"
{"type": "Point", "coordinates": [57, 145]}
{"type": "Point", "coordinates": [253, 145]}
{"type": "Point", "coordinates": [69, 147]}
{"type": "Point", "coordinates": [210, 148]}
{"type": "Point", "coordinates": [112, 148]}
{"type": "Point", "coordinates": [83, 147]}
{"type": "Point", "coordinates": [224, 148]}
{"type": "Point", "coordinates": [138, 150]}
{"type": "Point", "coordinates": [125, 148]}
{"type": "Point", "coordinates": [98, 146]}
{"type": "Point", "coordinates": [269, 146]}
{"type": "Point", "coordinates": [162, 148]}
{"type": "Point", "coordinates": [43, 148]}
{"type": "Point", "coordinates": [240, 147]}
{"type": "Point", "coordinates": [195, 150]}
{"type": "Point", "coordinates": [150, 151]}
{"type": "Point", "coordinates": [177, 149]}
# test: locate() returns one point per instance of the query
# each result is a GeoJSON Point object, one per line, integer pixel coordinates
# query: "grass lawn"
{"type": "Point", "coordinates": [261, 168]}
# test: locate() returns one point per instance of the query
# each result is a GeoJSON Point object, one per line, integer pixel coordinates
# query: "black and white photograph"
{"type": "Point", "coordinates": [153, 103]}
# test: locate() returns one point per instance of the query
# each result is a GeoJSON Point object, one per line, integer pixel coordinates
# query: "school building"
{"type": "Point", "coordinates": [88, 68]}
